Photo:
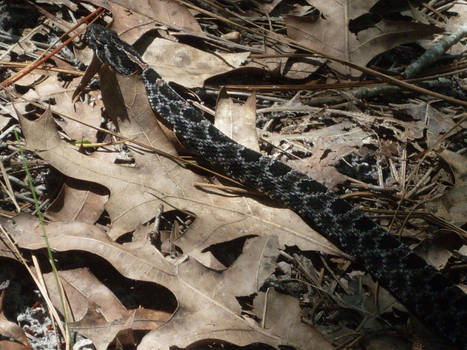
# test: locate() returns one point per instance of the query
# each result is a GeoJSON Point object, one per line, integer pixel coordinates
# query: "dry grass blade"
{"type": "Point", "coordinates": [7, 187]}
{"type": "Point", "coordinates": [42, 288]}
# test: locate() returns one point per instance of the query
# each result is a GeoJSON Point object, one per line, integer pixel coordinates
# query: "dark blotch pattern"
{"type": "Point", "coordinates": [363, 224]}
{"type": "Point", "coordinates": [249, 155]}
{"type": "Point", "coordinates": [340, 207]}
{"type": "Point", "coordinates": [278, 169]}
{"type": "Point", "coordinates": [308, 185]}
{"type": "Point", "coordinates": [426, 292]}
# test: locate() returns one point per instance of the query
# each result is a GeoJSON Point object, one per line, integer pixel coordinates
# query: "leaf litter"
{"type": "Point", "coordinates": [241, 269]}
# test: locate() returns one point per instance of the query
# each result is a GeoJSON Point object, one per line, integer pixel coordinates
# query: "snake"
{"type": "Point", "coordinates": [426, 292]}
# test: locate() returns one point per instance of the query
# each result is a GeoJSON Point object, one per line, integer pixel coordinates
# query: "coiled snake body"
{"type": "Point", "coordinates": [420, 287]}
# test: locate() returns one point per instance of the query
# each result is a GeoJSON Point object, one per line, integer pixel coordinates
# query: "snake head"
{"type": "Point", "coordinates": [111, 50]}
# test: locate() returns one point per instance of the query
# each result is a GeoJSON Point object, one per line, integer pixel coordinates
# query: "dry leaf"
{"type": "Point", "coordinates": [136, 193]}
{"type": "Point", "coordinates": [427, 118]}
{"type": "Point", "coordinates": [282, 313]}
{"type": "Point", "coordinates": [452, 206]}
{"type": "Point", "coordinates": [188, 66]}
{"type": "Point", "coordinates": [4, 121]}
{"type": "Point", "coordinates": [329, 145]}
{"type": "Point", "coordinates": [133, 18]}
{"type": "Point", "coordinates": [96, 308]}
{"type": "Point", "coordinates": [330, 34]}
{"type": "Point", "coordinates": [53, 89]}
{"type": "Point", "coordinates": [208, 308]}
{"type": "Point", "coordinates": [81, 288]}
{"type": "Point", "coordinates": [5, 251]}
{"type": "Point", "coordinates": [78, 201]}
{"type": "Point", "coordinates": [237, 121]}
{"type": "Point", "coordinates": [10, 345]}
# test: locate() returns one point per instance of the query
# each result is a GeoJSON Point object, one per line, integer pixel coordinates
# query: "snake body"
{"type": "Point", "coordinates": [421, 288]}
